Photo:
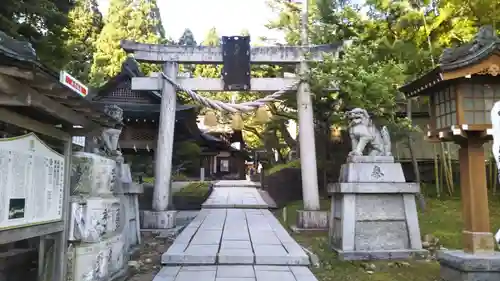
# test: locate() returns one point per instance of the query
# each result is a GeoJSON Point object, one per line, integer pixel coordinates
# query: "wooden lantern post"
{"type": "Point", "coordinates": [462, 91]}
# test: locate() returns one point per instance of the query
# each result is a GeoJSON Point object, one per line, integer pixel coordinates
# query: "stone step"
{"type": "Point", "coordinates": [235, 236]}
{"type": "Point", "coordinates": [236, 183]}
{"type": "Point", "coordinates": [235, 197]}
{"type": "Point", "coordinates": [235, 273]}
{"type": "Point", "coordinates": [268, 199]}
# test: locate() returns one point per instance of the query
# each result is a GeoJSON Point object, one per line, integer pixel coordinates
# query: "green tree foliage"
{"type": "Point", "coordinates": [42, 23]}
{"type": "Point", "coordinates": [393, 42]}
{"type": "Point", "coordinates": [245, 32]}
{"type": "Point", "coordinates": [187, 38]}
{"type": "Point", "coordinates": [212, 38]}
{"type": "Point", "coordinates": [126, 19]}
{"type": "Point", "coordinates": [85, 24]}
{"type": "Point", "coordinates": [187, 154]}
{"type": "Point", "coordinates": [404, 35]}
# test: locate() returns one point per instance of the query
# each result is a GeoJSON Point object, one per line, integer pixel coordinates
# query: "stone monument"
{"type": "Point", "coordinates": [373, 212]}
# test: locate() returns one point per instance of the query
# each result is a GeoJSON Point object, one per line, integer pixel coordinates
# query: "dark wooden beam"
{"type": "Point", "coordinates": [17, 72]}
{"type": "Point", "coordinates": [32, 125]}
{"type": "Point", "coordinates": [32, 97]}
{"type": "Point", "coordinates": [6, 100]}
{"type": "Point", "coordinates": [21, 233]}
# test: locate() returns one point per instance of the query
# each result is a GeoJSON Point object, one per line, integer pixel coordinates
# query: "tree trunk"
{"type": "Point", "coordinates": [286, 135]}
{"type": "Point", "coordinates": [414, 162]}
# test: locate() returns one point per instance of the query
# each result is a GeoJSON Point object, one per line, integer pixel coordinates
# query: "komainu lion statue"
{"type": "Point", "coordinates": [364, 134]}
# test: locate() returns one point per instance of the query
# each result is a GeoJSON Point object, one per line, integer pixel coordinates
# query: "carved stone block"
{"type": "Point", "coordinates": [93, 218]}
{"type": "Point", "coordinates": [97, 261]}
{"type": "Point", "coordinates": [92, 174]}
{"type": "Point", "coordinates": [158, 220]}
{"type": "Point", "coordinates": [371, 172]}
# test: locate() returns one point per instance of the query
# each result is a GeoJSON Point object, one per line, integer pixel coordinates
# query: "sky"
{"type": "Point", "coordinates": [229, 17]}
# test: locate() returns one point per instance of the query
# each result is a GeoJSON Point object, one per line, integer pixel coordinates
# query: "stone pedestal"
{"type": "Point", "coordinates": [158, 219]}
{"type": "Point", "coordinates": [98, 249]}
{"type": "Point", "coordinates": [461, 266]}
{"type": "Point", "coordinates": [373, 212]}
{"type": "Point", "coordinates": [312, 220]}
{"type": "Point", "coordinates": [133, 232]}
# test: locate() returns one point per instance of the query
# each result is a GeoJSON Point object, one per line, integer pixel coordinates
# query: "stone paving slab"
{"type": "Point", "coordinates": [235, 236]}
{"type": "Point", "coordinates": [236, 183]}
{"type": "Point", "coordinates": [234, 273]}
{"type": "Point", "coordinates": [235, 197]}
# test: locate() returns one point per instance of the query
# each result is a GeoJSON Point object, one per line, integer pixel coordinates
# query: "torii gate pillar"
{"type": "Point", "coordinates": [165, 143]}
{"type": "Point", "coordinates": [311, 216]}
{"type": "Point", "coordinates": [161, 216]}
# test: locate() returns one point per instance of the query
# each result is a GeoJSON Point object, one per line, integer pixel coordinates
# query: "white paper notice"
{"type": "Point", "coordinates": [31, 182]}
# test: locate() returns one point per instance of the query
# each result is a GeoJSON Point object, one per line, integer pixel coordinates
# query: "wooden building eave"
{"type": "Point", "coordinates": [30, 90]}
{"type": "Point", "coordinates": [469, 59]}
{"type": "Point", "coordinates": [428, 80]}
{"type": "Point", "coordinates": [132, 107]}
{"type": "Point", "coordinates": [130, 69]}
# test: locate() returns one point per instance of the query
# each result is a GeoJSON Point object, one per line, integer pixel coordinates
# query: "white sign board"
{"type": "Point", "coordinates": [79, 141]}
{"type": "Point", "coordinates": [31, 182]}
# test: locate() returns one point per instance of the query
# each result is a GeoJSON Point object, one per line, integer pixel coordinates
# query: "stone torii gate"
{"type": "Point", "coordinates": [171, 56]}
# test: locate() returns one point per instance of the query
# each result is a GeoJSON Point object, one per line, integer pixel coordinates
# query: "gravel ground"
{"type": "Point", "coordinates": [145, 263]}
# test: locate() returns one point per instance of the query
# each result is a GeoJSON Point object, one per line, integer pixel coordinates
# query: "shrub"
{"type": "Point", "coordinates": [149, 180]}
{"type": "Point", "coordinates": [179, 177]}
{"type": "Point", "coordinates": [279, 167]}
{"type": "Point", "coordinates": [176, 177]}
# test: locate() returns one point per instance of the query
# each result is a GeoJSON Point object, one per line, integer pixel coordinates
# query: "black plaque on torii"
{"type": "Point", "coordinates": [236, 63]}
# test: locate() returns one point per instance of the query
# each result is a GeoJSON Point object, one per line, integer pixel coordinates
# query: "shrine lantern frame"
{"type": "Point", "coordinates": [462, 91]}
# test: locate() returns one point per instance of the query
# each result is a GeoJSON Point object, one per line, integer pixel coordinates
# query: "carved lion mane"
{"type": "Point", "coordinates": [363, 133]}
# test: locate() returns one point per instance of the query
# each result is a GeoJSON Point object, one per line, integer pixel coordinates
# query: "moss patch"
{"type": "Point", "coordinates": [194, 189]}
{"type": "Point", "coordinates": [442, 218]}
{"type": "Point", "coordinates": [176, 177]}
{"type": "Point", "coordinates": [149, 180]}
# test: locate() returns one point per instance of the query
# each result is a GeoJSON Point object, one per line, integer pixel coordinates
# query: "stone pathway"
{"type": "Point", "coordinates": [235, 238]}
{"type": "Point", "coordinates": [236, 183]}
{"type": "Point", "coordinates": [235, 273]}
{"type": "Point", "coordinates": [235, 197]}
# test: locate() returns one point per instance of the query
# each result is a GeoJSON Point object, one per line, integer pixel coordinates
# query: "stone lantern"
{"type": "Point", "coordinates": [462, 91]}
